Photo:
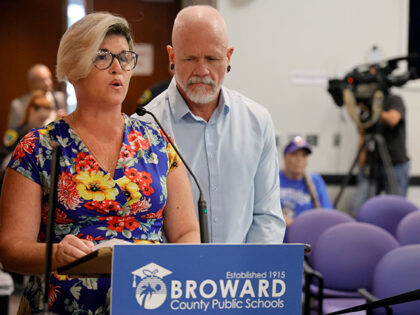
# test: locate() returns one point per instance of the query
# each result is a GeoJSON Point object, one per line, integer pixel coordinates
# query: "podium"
{"type": "Point", "coordinates": [199, 279]}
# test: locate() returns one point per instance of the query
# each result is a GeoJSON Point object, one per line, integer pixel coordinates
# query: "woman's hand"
{"type": "Point", "coordinates": [69, 249]}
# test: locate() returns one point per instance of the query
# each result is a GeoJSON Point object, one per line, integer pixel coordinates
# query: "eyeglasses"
{"type": "Point", "coordinates": [104, 59]}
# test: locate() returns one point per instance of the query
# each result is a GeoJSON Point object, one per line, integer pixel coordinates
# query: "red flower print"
{"type": "Point", "coordinates": [85, 162]}
{"type": "Point", "coordinates": [128, 152]}
{"type": "Point", "coordinates": [52, 294]}
{"type": "Point", "coordinates": [109, 206]}
{"type": "Point", "coordinates": [44, 213]}
{"type": "Point", "coordinates": [92, 205]}
{"type": "Point", "coordinates": [163, 135]}
{"type": "Point", "coordinates": [104, 207]}
{"type": "Point", "coordinates": [147, 190]}
{"type": "Point", "coordinates": [132, 174]}
{"type": "Point", "coordinates": [90, 237]}
{"type": "Point", "coordinates": [137, 141]}
{"type": "Point", "coordinates": [115, 223]}
{"type": "Point", "coordinates": [131, 224]}
{"type": "Point", "coordinates": [153, 215]}
{"type": "Point", "coordinates": [145, 179]}
{"type": "Point", "coordinates": [141, 206]}
{"type": "Point", "coordinates": [61, 217]}
{"type": "Point", "coordinates": [25, 146]}
{"type": "Point", "coordinates": [67, 192]}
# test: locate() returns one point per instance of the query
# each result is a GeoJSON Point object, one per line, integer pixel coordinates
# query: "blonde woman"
{"type": "Point", "coordinates": [118, 177]}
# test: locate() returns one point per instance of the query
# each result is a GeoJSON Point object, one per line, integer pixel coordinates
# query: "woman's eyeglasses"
{"type": "Point", "coordinates": [104, 59]}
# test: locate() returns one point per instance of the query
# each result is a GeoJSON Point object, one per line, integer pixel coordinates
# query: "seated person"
{"type": "Point", "coordinates": [300, 191]}
{"type": "Point", "coordinates": [39, 78]}
{"type": "Point", "coordinates": [37, 114]}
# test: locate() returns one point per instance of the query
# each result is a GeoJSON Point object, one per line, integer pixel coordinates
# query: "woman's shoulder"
{"type": "Point", "coordinates": [140, 125]}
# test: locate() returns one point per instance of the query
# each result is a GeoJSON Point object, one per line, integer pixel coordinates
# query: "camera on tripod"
{"type": "Point", "coordinates": [364, 88]}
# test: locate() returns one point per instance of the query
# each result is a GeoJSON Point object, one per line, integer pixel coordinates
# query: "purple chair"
{"type": "Point", "coordinates": [385, 211]}
{"type": "Point", "coordinates": [408, 229]}
{"type": "Point", "coordinates": [309, 225]}
{"type": "Point", "coordinates": [344, 259]}
{"type": "Point", "coordinates": [397, 273]}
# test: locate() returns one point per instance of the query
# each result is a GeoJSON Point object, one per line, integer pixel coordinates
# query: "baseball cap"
{"type": "Point", "coordinates": [295, 144]}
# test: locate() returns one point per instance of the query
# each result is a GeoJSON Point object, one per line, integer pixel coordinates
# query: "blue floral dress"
{"type": "Point", "coordinates": [94, 206]}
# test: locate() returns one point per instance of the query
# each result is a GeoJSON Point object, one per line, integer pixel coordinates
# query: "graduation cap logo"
{"type": "Point", "coordinates": [151, 291]}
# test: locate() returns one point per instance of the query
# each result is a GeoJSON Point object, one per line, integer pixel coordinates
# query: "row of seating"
{"type": "Point", "coordinates": [348, 255]}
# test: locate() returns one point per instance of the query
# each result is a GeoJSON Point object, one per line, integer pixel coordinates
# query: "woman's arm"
{"type": "Point", "coordinates": [180, 221]}
{"type": "Point", "coordinates": [20, 219]}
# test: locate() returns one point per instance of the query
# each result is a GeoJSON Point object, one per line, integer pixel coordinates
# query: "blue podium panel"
{"type": "Point", "coordinates": [207, 279]}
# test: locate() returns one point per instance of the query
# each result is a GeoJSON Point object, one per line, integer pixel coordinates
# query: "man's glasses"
{"type": "Point", "coordinates": [104, 59]}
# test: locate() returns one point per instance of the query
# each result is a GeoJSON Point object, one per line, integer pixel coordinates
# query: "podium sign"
{"type": "Point", "coordinates": [207, 279]}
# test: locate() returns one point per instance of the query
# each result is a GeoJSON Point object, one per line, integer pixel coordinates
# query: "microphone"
{"type": "Point", "coordinates": [56, 149]}
{"type": "Point", "coordinates": [202, 205]}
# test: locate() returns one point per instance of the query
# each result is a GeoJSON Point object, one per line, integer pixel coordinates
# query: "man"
{"type": "Point", "coordinates": [300, 191]}
{"type": "Point", "coordinates": [39, 78]}
{"type": "Point", "coordinates": [227, 139]}
{"type": "Point", "coordinates": [391, 126]}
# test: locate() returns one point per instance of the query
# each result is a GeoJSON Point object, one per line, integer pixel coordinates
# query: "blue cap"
{"type": "Point", "coordinates": [295, 144]}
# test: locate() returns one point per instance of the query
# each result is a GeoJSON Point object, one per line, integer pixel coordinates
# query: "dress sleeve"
{"type": "Point", "coordinates": [173, 157]}
{"type": "Point", "coordinates": [25, 158]}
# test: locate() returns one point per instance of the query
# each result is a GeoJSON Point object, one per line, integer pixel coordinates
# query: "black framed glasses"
{"type": "Point", "coordinates": [104, 59]}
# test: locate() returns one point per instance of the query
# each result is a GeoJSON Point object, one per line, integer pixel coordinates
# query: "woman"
{"type": "Point", "coordinates": [118, 177]}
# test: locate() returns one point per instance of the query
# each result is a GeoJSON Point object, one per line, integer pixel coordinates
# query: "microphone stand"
{"type": "Point", "coordinates": [202, 205]}
{"type": "Point", "coordinates": [56, 149]}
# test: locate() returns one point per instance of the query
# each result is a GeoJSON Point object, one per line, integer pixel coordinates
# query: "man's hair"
{"type": "Point", "coordinates": [82, 40]}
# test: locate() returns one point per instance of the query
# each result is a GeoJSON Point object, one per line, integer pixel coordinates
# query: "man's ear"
{"type": "Point", "coordinates": [229, 53]}
{"type": "Point", "coordinates": [171, 54]}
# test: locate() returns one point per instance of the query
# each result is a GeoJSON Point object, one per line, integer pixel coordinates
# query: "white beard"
{"type": "Point", "coordinates": [200, 94]}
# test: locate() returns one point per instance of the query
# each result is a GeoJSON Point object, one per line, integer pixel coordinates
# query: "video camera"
{"type": "Point", "coordinates": [369, 84]}
{"type": "Point", "coordinates": [365, 79]}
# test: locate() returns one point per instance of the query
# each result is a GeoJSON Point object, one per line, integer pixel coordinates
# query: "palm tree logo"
{"type": "Point", "coordinates": [151, 291]}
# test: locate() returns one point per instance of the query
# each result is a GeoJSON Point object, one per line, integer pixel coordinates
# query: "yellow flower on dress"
{"type": "Point", "coordinates": [131, 190]}
{"type": "Point", "coordinates": [173, 159]}
{"type": "Point", "coordinates": [45, 130]}
{"type": "Point", "coordinates": [95, 185]}
{"type": "Point", "coordinates": [60, 277]}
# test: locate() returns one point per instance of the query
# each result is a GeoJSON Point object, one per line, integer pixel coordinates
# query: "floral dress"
{"type": "Point", "coordinates": [94, 206]}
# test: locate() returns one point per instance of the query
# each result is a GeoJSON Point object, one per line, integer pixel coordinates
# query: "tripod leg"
{"type": "Point", "coordinates": [386, 162]}
{"type": "Point", "coordinates": [348, 176]}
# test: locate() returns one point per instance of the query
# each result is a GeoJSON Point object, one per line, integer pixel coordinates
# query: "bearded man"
{"type": "Point", "coordinates": [227, 139]}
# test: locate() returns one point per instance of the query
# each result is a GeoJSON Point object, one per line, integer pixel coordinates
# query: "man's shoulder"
{"type": "Point", "coordinates": [394, 100]}
{"type": "Point", "coordinates": [242, 103]}
{"type": "Point", "coordinates": [20, 100]}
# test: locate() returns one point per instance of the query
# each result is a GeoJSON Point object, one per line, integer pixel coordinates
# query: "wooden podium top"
{"type": "Point", "coordinates": [95, 264]}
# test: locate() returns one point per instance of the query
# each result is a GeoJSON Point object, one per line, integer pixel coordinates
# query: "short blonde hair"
{"type": "Point", "coordinates": [82, 40]}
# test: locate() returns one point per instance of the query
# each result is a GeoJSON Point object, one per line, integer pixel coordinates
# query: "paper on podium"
{"type": "Point", "coordinates": [96, 264]}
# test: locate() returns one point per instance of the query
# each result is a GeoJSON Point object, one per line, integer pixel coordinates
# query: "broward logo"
{"type": "Point", "coordinates": [151, 291]}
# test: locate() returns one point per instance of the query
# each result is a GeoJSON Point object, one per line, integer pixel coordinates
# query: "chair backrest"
{"type": "Point", "coordinates": [346, 254]}
{"type": "Point", "coordinates": [407, 230]}
{"type": "Point", "coordinates": [385, 211]}
{"type": "Point", "coordinates": [308, 226]}
{"type": "Point", "coordinates": [396, 273]}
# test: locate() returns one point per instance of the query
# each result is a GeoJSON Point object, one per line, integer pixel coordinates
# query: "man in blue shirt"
{"type": "Point", "coordinates": [227, 139]}
{"type": "Point", "coordinates": [300, 191]}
